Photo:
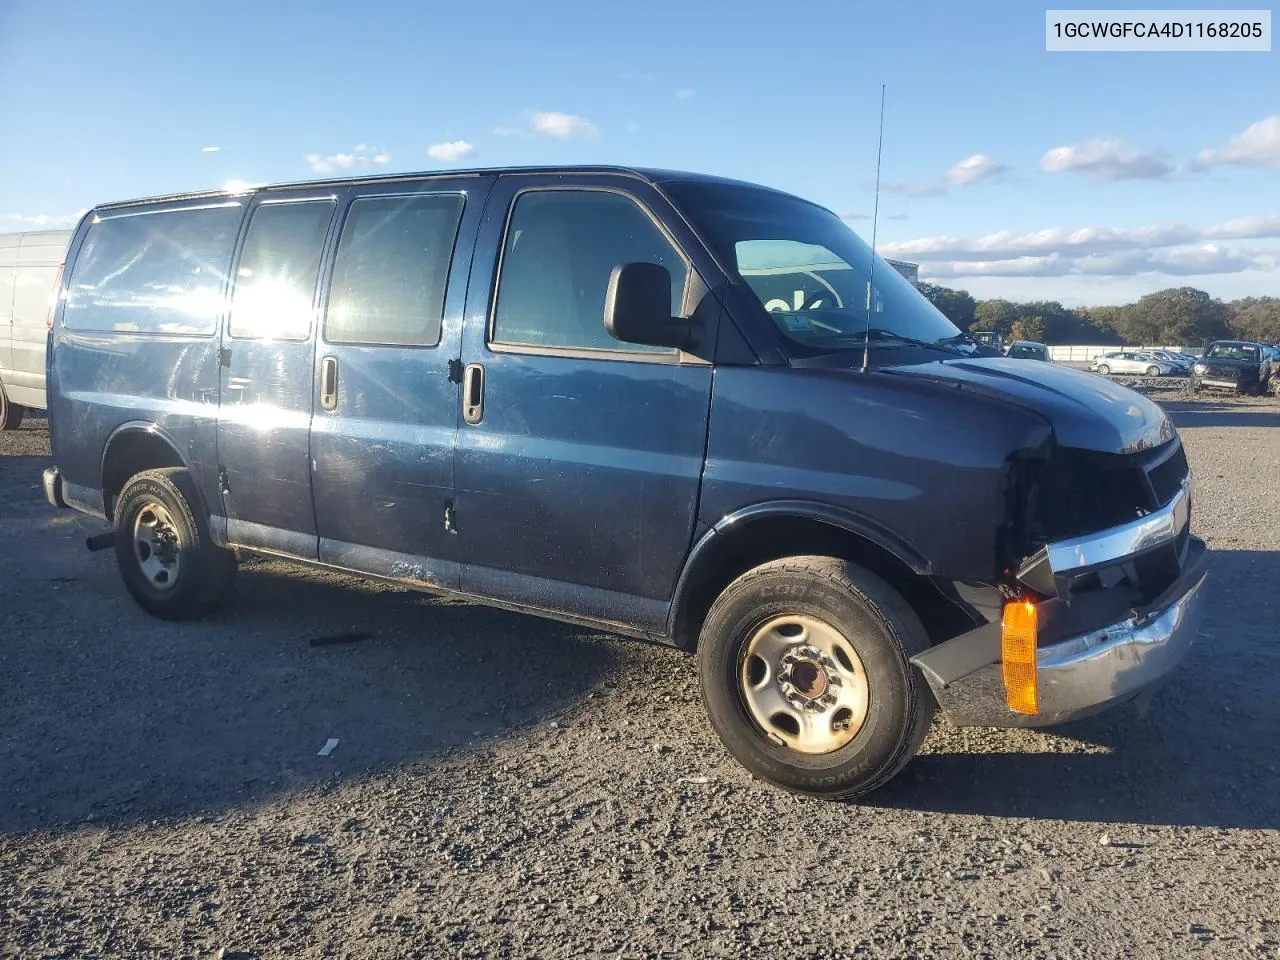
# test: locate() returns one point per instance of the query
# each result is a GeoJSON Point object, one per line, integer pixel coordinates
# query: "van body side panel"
{"type": "Point", "coordinates": [8, 274]}
{"type": "Point", "coordinates": [135, 342]}
{"type": "Point", "coordinates": [884, 453]}
{"type": "Point", "coordinates": [108, 381]}
{"type": "Point", "coordinates": [39, 256]}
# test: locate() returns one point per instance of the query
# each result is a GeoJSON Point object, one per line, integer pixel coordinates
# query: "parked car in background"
{"type": "Point", "coordinates": [1028, 350]}
{"type": "Point", "coordinates": [1238, 365]}
{"type": "Point", "coordinates": [641, 401]}
{"type": "Point", "coordinates": [1132, 362]}
{"type": "Point", "coordinates": [988, 338]}
{"type": "Point", "coordinates": [29, 265]}
{"type": "Point", "coordinates": [1181, 363]}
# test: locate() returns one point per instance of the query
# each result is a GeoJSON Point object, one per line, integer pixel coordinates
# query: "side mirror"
{"type": "Point", "coordinates": [637, 307]}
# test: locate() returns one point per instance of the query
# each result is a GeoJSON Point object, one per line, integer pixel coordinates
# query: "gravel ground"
{"type": "Point", "coordinates": [509, 787]}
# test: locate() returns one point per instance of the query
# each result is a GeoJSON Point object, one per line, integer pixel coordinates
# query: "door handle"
{"type": "Point", "coordinates": [329, 383]}
{"type": "Point", "coordinates": [473, 393]}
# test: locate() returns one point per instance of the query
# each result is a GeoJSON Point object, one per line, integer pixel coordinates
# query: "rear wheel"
{"type": "Point", "coordinates": [1104, 369]}
{"type": "Point", "coordinates": [803, 665]}
{"type": "Point", "coordinates": [10, 413]}
{"type": "Point", "coordinates": [168, 561]}
{"type": "Point", "coordinates": [1153, 371]}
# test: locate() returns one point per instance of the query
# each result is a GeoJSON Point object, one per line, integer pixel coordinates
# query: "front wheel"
{"type": "Point", "coordinates": [10, 413]}
{"type": "Point", "coordinates": [803, 666]}
{"type": "Point", "coordinates": [167, 559]}
{"type": "Point", "coordinates": [1104, 369]}
{"type": "Point", "coordinates": [1153, 371]}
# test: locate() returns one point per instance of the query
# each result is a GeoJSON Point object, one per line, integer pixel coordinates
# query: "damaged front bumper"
{"type": "Point", "coordinates": [1097, 647]}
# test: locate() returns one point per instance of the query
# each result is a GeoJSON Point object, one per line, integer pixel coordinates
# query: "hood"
{"type": "Point", "coordinates": [1086, 411]}
{"type": "Point", "coordinates": [1226, 363]}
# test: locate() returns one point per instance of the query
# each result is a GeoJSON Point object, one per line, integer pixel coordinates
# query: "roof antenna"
{"type": "Point", "coordinates": [875, 221]}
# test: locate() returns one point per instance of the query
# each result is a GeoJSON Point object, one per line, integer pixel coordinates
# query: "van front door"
{"type": "Point", "coordinates": [579, 457]}
{"type": "Point", "coordinates": [266, 364]}
{"type": "Point", "coordinates": [386, 403]}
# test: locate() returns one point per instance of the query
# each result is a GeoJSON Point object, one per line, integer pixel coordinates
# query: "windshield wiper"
{"type": "Point", "coordinates": [881, 335]}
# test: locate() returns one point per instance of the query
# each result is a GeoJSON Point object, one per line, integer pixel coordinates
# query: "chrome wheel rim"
{"type": "Point", "coordinates": [804, 684]}
{"type": "Point", "coordinates": [156, 546]}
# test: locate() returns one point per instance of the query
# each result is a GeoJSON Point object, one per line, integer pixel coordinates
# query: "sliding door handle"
{"type": "Point", "coordinates": [473, 393]}
{"type": "Point", "coordinates": [329, 383]}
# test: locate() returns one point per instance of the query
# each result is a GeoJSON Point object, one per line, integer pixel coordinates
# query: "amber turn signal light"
{"type": "Point", "coordinates": [1018, 654]}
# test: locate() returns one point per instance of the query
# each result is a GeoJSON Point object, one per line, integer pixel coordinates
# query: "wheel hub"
{"type": "Point", "coordinates": [808, 677]}
{"type": "Point", "coordinates": [804, 684]}
{"type": "Point", "coordinates": [156, 545]}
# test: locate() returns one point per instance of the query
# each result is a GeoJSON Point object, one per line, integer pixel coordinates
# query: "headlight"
{"type": "Point", "coordinates": [1199, 368]}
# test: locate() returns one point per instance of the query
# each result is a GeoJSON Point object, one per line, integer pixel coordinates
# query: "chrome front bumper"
{"type": "Point", "coordinates": [1079, 676]}
{"type": "Point", "coordinates": [1095, 649]}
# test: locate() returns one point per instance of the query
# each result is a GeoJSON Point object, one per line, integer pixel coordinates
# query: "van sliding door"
{"type": "Point", "coordinates": [266, 363]}
{"type": "Point", "coordinates": [386, 387]}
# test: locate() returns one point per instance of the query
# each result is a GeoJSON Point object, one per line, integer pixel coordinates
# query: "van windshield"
{"type": "Point", "coordinates": [811, 273]}
{"type": "Point", "coordinates": [1232, 351]}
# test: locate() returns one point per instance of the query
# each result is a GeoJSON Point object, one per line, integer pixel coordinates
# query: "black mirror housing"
{"type": "Point", "coordinates": [637, 307]}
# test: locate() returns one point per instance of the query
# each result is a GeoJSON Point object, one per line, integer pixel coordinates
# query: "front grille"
{"type": "Point", "coordinates": [1167, 475]}
{"type": "Point", "coordinates": [1222, 373]}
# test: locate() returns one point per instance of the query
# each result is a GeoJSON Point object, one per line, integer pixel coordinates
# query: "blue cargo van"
{"type": "Point", "coordinates": [672, 406]}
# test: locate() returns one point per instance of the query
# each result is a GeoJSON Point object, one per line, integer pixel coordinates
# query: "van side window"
{"type": "Point", "coordinates": [276, 276]}
{"type": "Point", "coordinates": [391, 270]}
{"type": "Point", "coordinates": [560, 248]}
{"type": "Point", "coordinates": [153, 272]}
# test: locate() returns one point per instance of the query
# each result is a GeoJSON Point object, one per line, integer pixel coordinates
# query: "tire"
{"type": "Point", "coordinates": [10, 413]}
{"type": "Point", "coordinates": [169, 562]}
{"type": "Point", "coordinates": [1153, 371]}
{"type": "Point", "coordinates": [830, 598]}
{"type": "Point", "coordinates": [1104, 369]}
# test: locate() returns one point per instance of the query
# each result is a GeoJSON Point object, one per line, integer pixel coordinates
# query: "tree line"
{"type": "Point", "coordinates": [1179, 315]}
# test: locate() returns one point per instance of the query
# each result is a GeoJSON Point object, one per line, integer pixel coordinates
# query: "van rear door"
{"type": "Point", "coordinates": [266, 363]}
{"type": "Point", "coordinates": [386, 411]}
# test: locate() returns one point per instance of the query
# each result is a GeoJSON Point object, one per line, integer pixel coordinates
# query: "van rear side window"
{"type": "Point", "coordinates": [154, 272]}
{"type": "Point", "coordinates": [276, 277]}
{"type": "Point", "coordinates": [391, 270]}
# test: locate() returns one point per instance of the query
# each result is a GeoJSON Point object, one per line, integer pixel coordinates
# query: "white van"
{"type": "Point", "coordinates": [29, 264]}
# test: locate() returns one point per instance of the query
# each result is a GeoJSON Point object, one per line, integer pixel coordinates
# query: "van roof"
{"type": "Point", "coordinates": [649, 175]}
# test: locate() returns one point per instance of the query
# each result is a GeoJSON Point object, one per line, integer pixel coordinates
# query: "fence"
{"type": "Point", "coordinates": [1086, 353]}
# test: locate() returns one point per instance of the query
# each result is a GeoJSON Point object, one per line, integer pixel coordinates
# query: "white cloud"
{"type": "Point", "coordinates": [686, 93]}
{"type": "Point", "coordinates": [1105, 160]}
{"type": "Point", "coordinates": [1167, 249]}
{"type": "Point", "coordinates": [42, 221]}
{"type": "Point", "coordinates": [1257, 146]}
{"type": "Point", "coordinates": [361, 157]}
{"type": "Point", "coordinates": [972, 169]}
{"type": "Point", "coordinates": [563, 125]}
{"type": "Point", "coordinates": [1006, 244]}
{"type": "Point", "coordinates": [855, 216]}
{"type": "Point", "coordinates": [210, 149]}
{"type": "Point", "coordinates": [448, 152]}
{"type": "Point", "coordinates": [1192, 261]}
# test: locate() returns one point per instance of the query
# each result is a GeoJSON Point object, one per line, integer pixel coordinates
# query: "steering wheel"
{"type": "Point", "coordinates": [819, 297]}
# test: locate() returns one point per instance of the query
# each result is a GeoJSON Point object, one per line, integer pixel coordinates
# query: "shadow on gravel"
{"type": "Point", "coordinates": [1204, 755]}
{"type": "Point", "coordinates": [111, 717]}
{"type": "Point", "coordinates": [1187, 413]}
